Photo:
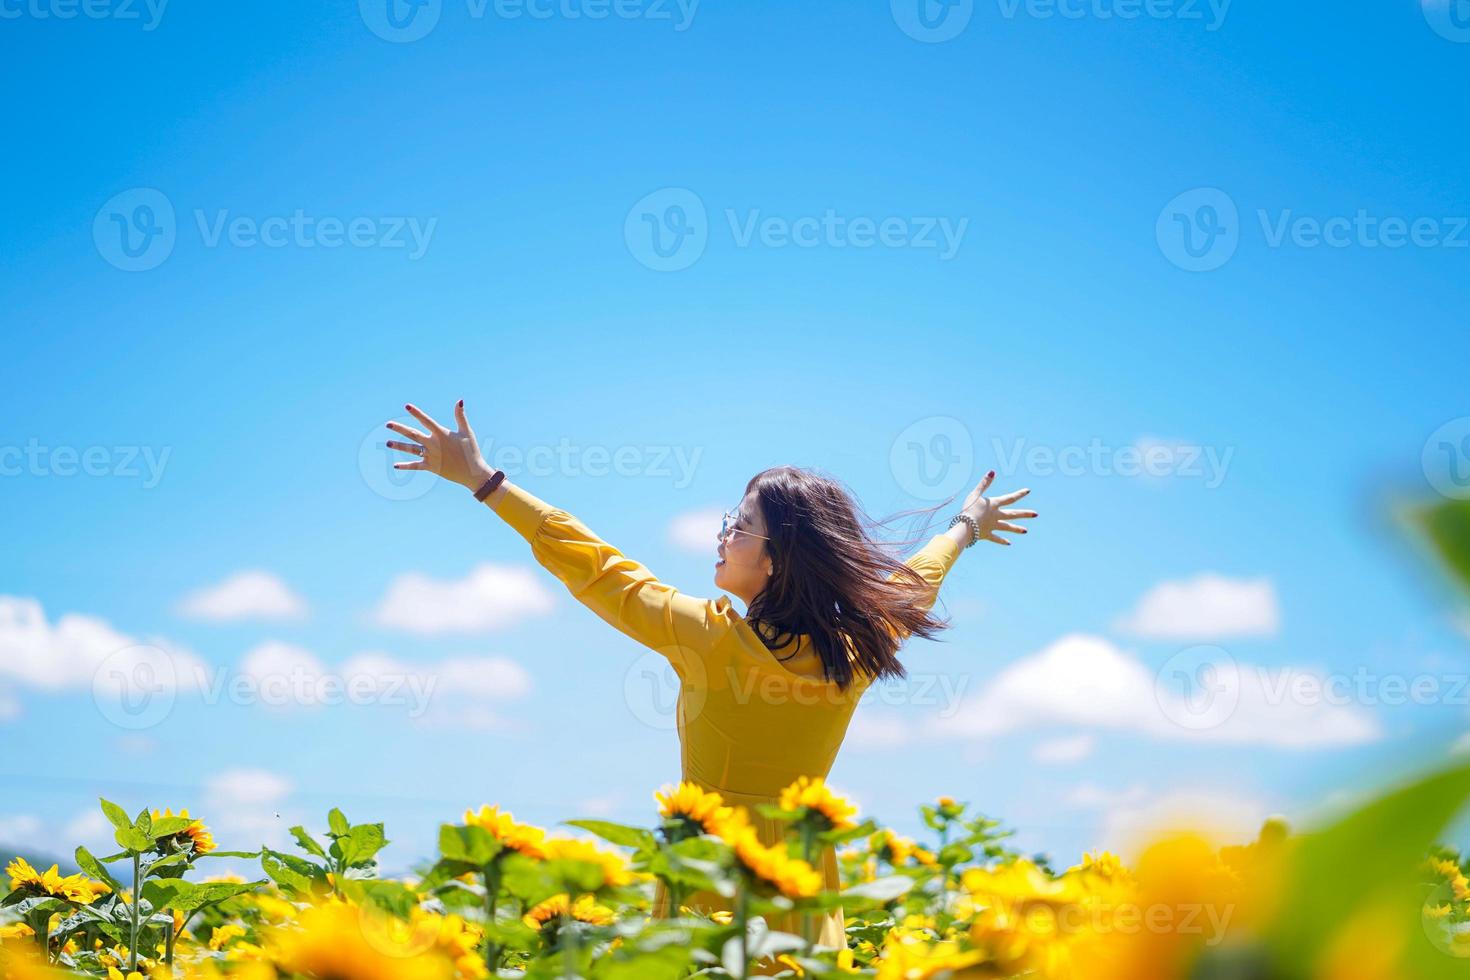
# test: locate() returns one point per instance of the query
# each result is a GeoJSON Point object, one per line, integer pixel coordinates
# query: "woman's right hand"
{"type": "Point", "coordinates": [990, 513]}
{"type": "Point", "coordinates": [453, 455]}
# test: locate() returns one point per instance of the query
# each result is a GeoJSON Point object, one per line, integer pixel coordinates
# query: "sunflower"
{"type": "Point", "coordinates": [76, 888]}
{"type": "Point", "coordinates": [196, 834]}
{"type": "Point", "coordinates": [896, 850]}
{"type": "Point", "coordinates": [584, 909]}
{"type": "Point", "coordinates": [526, 839]}
{"type": "Point", "coordinates": [615, 870]}
{"type": "Point", "coordinates": [696, 807]}
{"type": "Point", "coordinates": [770, 866]}
{"type": "Point", "coordinates": [812, 796]}
{"type": "Point", "coordinates": [331, 942]}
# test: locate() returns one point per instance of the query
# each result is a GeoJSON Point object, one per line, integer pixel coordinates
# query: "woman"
{"type": "Point", "coordinates": [765, 697]}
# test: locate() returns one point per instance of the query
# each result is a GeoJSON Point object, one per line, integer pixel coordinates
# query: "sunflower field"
{"type": "Point", "coordinates": [1369, 895]}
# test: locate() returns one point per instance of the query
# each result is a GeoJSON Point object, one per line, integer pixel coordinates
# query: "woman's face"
{"type": "Point", "coordinates": [744, 562]}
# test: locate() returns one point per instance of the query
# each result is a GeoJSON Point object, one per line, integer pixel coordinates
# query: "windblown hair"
{"type": "Point", "coordinates": [833, 581]}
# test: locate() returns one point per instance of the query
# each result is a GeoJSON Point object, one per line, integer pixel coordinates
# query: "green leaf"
{"type": "Point", "coordinates": [356, 848]}
{"type": "Point", "coordinates": [337, 822]}
{"type": "Point", "coordinates": [134, 840]}
{"type": "Point", "coordinates": [881, 889]}
{"type": "Point", "coordinates": [144, 821]}
{"type": "Point", "coordinates": [390, 896]}
{"type": "Point", "coordinates": [164, 826]}
{"type": "Point", "coordinates": [1371, 856]}
{"type": "Point", "coordinates": [231, 854]}
{"type": "Point", "coordinates": [116, 815]}
{"type": "Point", "coordinates": [178, 857]}
{"type": "Point", "coordinates": [306, 843]}
{"type": "Point", "coordinates": [95, 868]}
{"type": "Point", "coordinates": [1446, 526]}
{"type": "Point", "coordinates": [293, 873]}
{"type": "Point", "coordinates": [617, 833]}
{"type": "Point", "coordinates": [186, 896]}
{"type": "Point", "coordinates": [472, 844]}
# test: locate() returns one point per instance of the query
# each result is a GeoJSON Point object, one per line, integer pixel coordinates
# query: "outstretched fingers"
{"type": "Point", "coordinates": [410, 431]}
{"type": "Point", "coordinates": [1012, 497]}
{"type": "Point", "coordinates": [434, 427]}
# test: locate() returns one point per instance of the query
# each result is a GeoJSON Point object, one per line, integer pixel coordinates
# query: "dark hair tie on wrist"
{"type": "Point", "coordinates": [488, 487]}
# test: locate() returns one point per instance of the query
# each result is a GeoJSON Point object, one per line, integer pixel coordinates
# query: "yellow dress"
{"type": "Point", "coordinates": [748, 724]}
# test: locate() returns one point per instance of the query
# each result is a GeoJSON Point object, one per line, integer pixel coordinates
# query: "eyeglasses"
{"type": "Point", "coordinates": [727, 524]}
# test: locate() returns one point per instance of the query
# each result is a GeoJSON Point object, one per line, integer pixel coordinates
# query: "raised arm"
{"type": "Point", "coordinates": [989, 516]}
{"type": "Point", "coordinates": [620, 590]}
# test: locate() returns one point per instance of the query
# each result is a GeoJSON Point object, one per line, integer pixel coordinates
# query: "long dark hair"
{"type": "Point", "coordinates": [833, 581]}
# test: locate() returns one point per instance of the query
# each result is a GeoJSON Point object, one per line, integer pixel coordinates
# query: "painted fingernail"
{"type": "Point", "coordinates": [991, 474]}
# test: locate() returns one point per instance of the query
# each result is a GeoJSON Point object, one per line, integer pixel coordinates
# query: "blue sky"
{"type": "Point", "coordinates": [890, 246]}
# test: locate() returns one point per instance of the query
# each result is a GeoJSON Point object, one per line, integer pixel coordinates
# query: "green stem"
{"type": "Point", "coordinates": [43, 935]}
{"type": "Point", "coordinates": [570, 948]}
{"type": "Point", "coordinates": [168, 950]}
{"type": "Point", "coordinates": [133, 905]}
{"type": "Point", "coordinates": [492, 895]}
{"type": "Point", "coordinates": [808, 833]}
{"type": "Point", "coordinates": [742, 920]}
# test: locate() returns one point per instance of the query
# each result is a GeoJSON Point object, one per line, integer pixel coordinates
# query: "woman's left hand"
{"type": "Point", "coordinates": [453, 455]}
{"type": "Point", "coordinates": [990, 513]}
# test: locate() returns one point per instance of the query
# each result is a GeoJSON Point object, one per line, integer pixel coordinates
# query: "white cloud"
{"type": "Point", "coordinates": [486, 677]}
{"type": "Point", "coordinates": [1090, 796]}
{"type": "Point", "coordinates": [246, 787]}
{"type": "Point", "coordinates": [452, 689]}
{"type": "Point", "coordinates": [70, 653]}
{"type": "Point", "coordinates": [1206, 607]}
{"type": "Point", "coordinates": [1063, 751]}
{"type": "Point", "coordinates": [244, 595]}
{"type": "Point", "coordinates": [1085, 681]}
{"type": "Point", "coordinates": [25, 831]}
{"type": "Point", "coordinates": [243, 808]}
{"type": "Point", "coordinates": [491, 597]}
{"type": "Point", "coordinates": [695, 530]}
{"type": "Point", "coordinates": [283, 674]}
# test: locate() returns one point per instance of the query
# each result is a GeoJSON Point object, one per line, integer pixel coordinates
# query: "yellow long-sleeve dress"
{"type": "Point", "coordinates": [749, 723]}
